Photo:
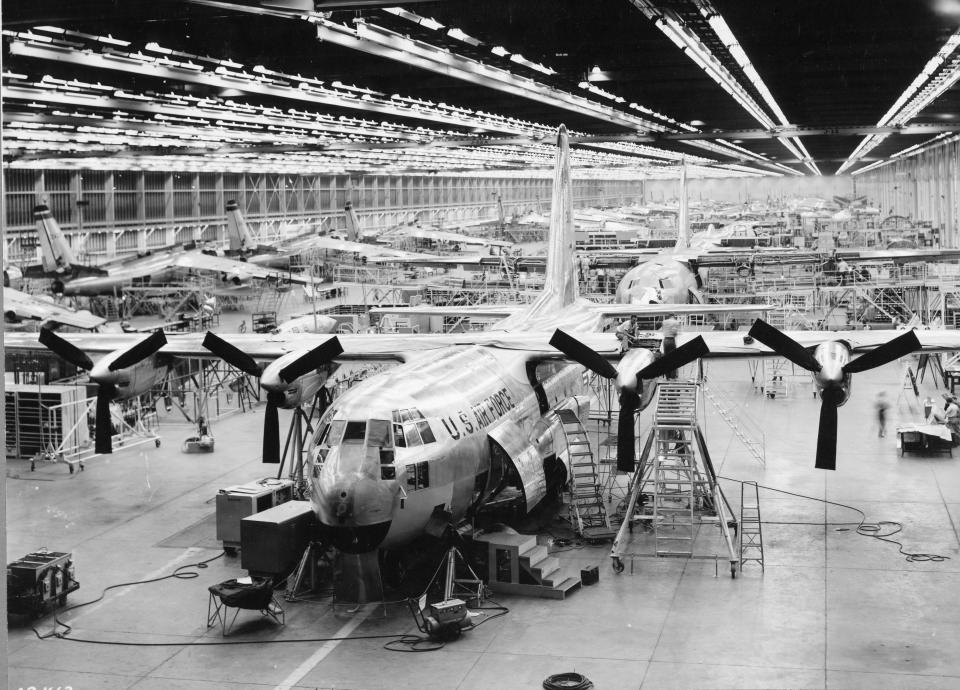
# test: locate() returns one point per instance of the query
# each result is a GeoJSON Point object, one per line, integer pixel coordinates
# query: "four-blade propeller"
{"type": "Point", "coordinates": [632, 384]}
{"type": "Point", "coordinates": [107, 386]}
{"type": "Point", "coordinates": [831, 396]}
{"type": "Point", "coordinates": [309, 361]}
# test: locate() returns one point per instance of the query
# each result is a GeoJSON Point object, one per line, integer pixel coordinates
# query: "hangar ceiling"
{"type": "Point", "coordinates": [734, 86]}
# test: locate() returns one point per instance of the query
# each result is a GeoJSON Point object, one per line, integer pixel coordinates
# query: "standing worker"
{"type": "Point", "coordinates": [671, 327]}
{"type": "Point", "coordinates": [882, 405]}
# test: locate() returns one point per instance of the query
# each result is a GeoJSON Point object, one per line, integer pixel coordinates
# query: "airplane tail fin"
{"type": "Point", "coordinates": [561, 270]}
{"type": "Point", "coordinates": [237, 230]}
{"type": "Point", "coordinates": [683, 216]}
{"type": "Point", "coordinates": [353, 223]}
{"type": "Point", "coordinates": [55, 254]}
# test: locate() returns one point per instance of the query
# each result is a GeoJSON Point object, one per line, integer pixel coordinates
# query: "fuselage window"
{"type": "Point", "coordinates": [418, 476]}
{"type": "Point", "coordinates": [354, 432]}
{"type": "Point", "coordinates": [398, 439]}
{"type": "Point", "coordinates": [426, 433]}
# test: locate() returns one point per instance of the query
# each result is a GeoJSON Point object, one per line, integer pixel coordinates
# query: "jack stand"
{"type": "Point", "coordinates": [447, 619]}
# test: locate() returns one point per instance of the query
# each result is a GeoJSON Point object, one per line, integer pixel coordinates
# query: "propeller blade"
{"type": "Point", "coordinates": [140, 351]}
{"type": "Point", "coordinates": [827, 437]}
{"type": "Point", "coordinates": [103, 431]}
{"type": "Point", "coordinates": [271, 428]}
{"type": "Point", "coordinates": [686, 353]}
{"type": "Point", "coordinates": [314, 359]}
{"type": "Point", "coordinates": [65, 350]}
{"type": "Point", "coordinates": [231, 354]}
{"type": "Point", "coordinates": [626, 430]}
{"type": "Point", "coordinates": [889, 351]}
{"type": "Point", "coordinates": [783, 345]}
{"type": "Point", "coordinates": [582, 354]}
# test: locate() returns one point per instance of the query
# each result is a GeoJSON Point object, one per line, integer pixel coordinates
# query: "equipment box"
{"type": "Point", "coordinates": [237, 502]}
{"type": "Point", "coordinates": [273, 541]}
{"type": "Point", "coordinates": [39, 579]}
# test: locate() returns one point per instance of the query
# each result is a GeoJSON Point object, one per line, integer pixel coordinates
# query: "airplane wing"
{"type": "Point", "coordinates": [205, 262]}
{"type": "Point", "coordinates": [739, 344]}
{"type": "Point", "coordinates": [625, 310]}
{"type": "Point", "coordinates": [372, 346]}
{"type": "Point", "coordinates": [443, 236]}
{"type": "Point", "coordinates": [483, 310]}
{"type": "Point", "coordinates": [26, 306]}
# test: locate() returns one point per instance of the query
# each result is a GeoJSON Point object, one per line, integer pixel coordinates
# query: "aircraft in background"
{"type": "Point", "coordinates": [69, 277]}
{"type": "Point", "coordinates": [19, 306]}
{"type": "Point", "coordinates": [243, 245]}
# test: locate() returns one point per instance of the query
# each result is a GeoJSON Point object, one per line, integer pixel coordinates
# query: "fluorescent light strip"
{"type": "Point", "coordinates": [914, 98]}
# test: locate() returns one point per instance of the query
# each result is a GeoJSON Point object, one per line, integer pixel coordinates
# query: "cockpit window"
{"type": "Point", "coordinates": [426, 433]}
{"type": "Point", "coordinates": [407, 415]}
{"type": "Point", "coordinates": [411, 435]}
{"type": "Point", "coordinates": [334, 433]}
{"type": "Point", "coordinates": [354, 432]}
{"type": "Point", "coordinates": [378, 433]}
{"type": "Point", "coordinates": [398, 439]}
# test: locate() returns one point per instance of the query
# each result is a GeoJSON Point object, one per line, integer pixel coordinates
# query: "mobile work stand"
{"type": "Point", "coordinates": [674, 489]}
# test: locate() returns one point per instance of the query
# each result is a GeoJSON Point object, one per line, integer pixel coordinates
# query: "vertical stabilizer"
{"type": "Point", "coordinates": [561, 273]}
{"type": "Point", "coordinates": [237, 230]}
{"type": "Point", "coordinates": [683, 214]}
{"type": "Point", "coordinates": [55, 254]}
{"type": "Point", "coordinates": [353, 223]}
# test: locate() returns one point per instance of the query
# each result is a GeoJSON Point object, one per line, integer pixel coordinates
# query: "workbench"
{"type": "Point", "coordinates": [924, 438]}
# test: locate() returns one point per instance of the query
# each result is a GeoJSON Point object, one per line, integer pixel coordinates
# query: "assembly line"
{"type": "Point", "coordinates": [335, 331]}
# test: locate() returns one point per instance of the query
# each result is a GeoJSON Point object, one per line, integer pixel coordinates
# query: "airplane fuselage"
{"type": "Point", "coordinates": [661, 280]}
{"type": "Point", "coordinates": [420, 439]}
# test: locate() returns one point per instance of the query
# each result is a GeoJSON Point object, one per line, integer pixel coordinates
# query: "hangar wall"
{"type": "Point", "coordinates": [925, 186]}
{"type": "Point", "coordinates": [752, 188]}
{"type": "Point", "coordinates": [128, 211]}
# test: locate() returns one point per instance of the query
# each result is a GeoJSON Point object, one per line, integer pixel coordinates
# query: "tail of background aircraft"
{"type": "Point", "coordinates": [561, 270]}
{"type": "Point", "coordinates": [237, 230]}
{"type": "Point", "coordinates": [353, 223]}
{"type": "Point", "coordinates": [683, 215]}
{"type": "Point", "coordinates": [55, 254]}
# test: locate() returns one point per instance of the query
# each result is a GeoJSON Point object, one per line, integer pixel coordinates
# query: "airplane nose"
{"type": "Point", "coordinates": [356, 512]}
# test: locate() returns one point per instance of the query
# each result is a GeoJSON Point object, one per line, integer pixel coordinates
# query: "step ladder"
{"type": "Point", "coordinates": [676, 471]}
{"type": "Point", "coordinates": [587, 513]}
{"type": "Point", "coordinates": [751, 531]}
{"type": "Point", "coordinates": [754, 447]}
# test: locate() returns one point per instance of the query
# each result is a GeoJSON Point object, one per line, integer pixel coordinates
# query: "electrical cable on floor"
{"type": "Point", "coordinates": [874, 530]}
{"type": "Point", "coordinates": [179, 574]}
{"type": "Point", "coordinates": [567, 681]}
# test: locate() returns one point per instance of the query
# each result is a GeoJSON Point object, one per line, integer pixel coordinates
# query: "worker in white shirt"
{"type": "Point", "coordinates": [670, 328]}
{"type": "Point", "coordinates": [626, 331]}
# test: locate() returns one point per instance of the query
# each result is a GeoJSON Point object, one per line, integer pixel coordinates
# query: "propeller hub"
{"type": "Point", "coordinates": [630, 365]}
{"type": "Point", "coordinates": [103, 375]}
{"type": "Point", "coordinates": [832, 356]}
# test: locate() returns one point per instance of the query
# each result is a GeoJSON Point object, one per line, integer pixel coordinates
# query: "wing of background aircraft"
{"type": "Point", "coordinates": [443, 236]}
{"type": "Point", "coordinates": [606, 310]}
{"type": "Point", "coordinates": [198, 261]}
{"type": "Point", "coordinates": [24, 306]}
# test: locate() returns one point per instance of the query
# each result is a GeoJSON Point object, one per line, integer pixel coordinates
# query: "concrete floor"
{"type": "Point", "coordinates": [832, 609]}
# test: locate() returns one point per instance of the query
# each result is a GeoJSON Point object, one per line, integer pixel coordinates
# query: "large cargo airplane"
{"type": "Point", "coordinates": [464, 415]}
{"type": "Point", "coordinates": [69, 277]}
{"type": "Point", "coordinates": [19, 306]}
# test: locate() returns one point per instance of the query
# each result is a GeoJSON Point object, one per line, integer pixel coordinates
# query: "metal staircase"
{"type": "Point", "coordinates": [751, 531]}
{"type": "Point", "coordinates": [587, 513]}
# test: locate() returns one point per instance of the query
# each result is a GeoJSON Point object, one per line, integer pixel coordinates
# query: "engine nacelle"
{"type": "Point", "coordinates": [298, 392]}
{"type": "Point", "coordinates": [831, 380]}
{"type": "Point", "coordinates": [627, 369]}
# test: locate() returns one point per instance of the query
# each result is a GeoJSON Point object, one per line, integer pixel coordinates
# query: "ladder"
{"type": "Point", "coordinates": [751, 531]}
{"type": "Point", "coordinates": [587, 513]}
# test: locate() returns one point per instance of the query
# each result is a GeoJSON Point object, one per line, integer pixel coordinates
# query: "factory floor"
{"type": "Point", "coordinates": [831, 609]}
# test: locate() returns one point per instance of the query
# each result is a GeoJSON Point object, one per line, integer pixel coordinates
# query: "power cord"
{"type": "Point", "coordinates": [567, 681]}
{"type": "Point", "coordinates": [874, 530]}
